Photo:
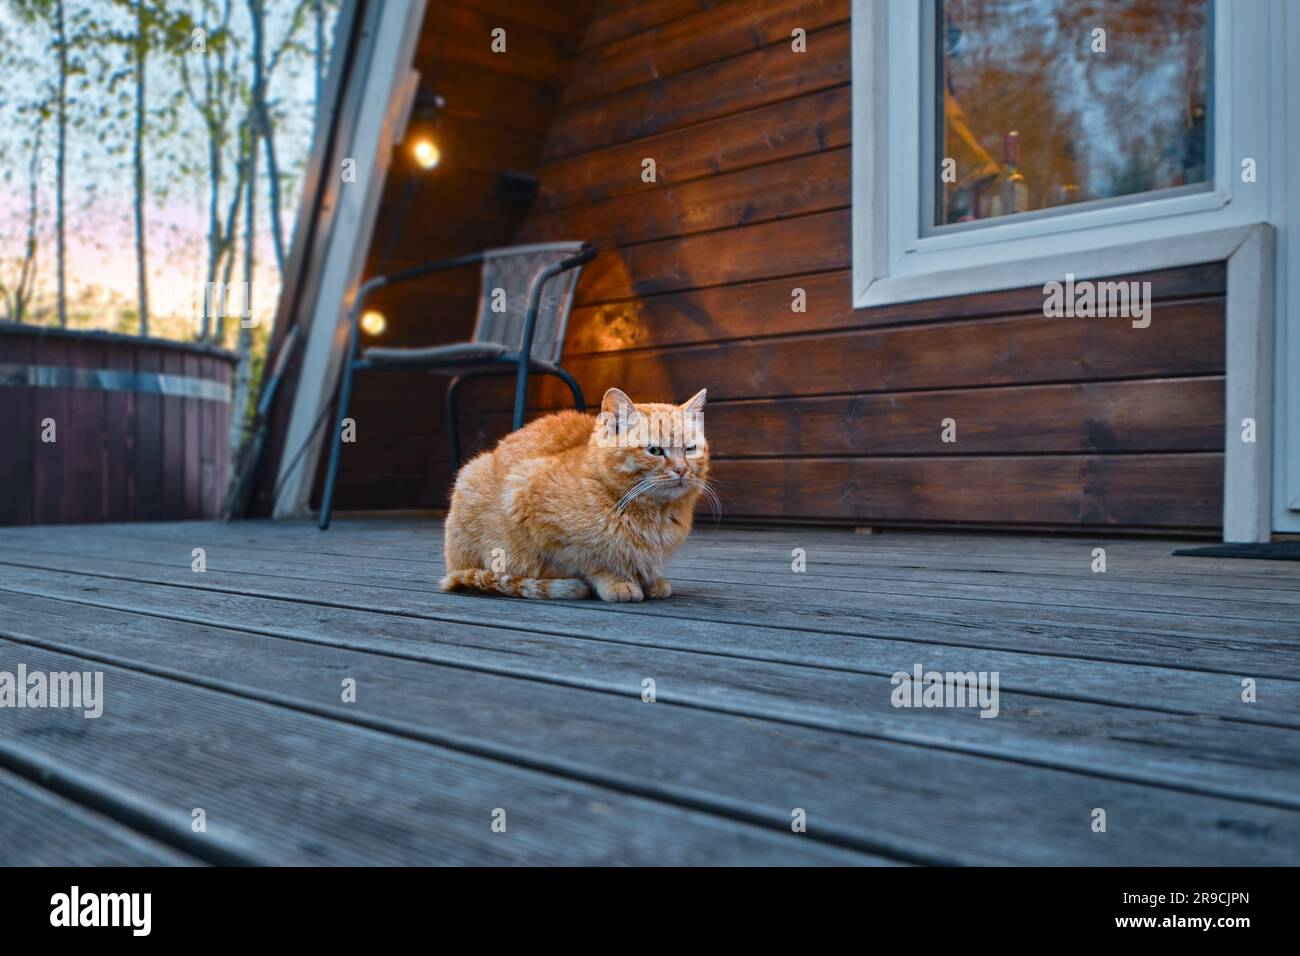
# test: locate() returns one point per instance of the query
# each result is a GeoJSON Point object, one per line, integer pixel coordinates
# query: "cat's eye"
{"type": "Point", "coordinates": [654, 450]}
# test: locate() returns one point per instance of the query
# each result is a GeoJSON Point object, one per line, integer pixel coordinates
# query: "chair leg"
{"type": "Point", "coordinates": [574, 388]}
{"type": "Point", "coordinates": [453, 424]}
{"type": "Point", "coordinates": [521, 396]}
{"type": "Point", "coordinates": [336, 448]}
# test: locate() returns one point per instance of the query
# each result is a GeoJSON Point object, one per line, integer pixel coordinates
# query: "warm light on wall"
{"type": "Point", "coordinates": [373, 323]}
{"type": "Point", "coordinates": [426, 153]}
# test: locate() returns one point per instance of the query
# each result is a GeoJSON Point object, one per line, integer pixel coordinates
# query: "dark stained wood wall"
{"type": "Point", "coordinates": [499, 109]}
{"type": "Point", "coordinates": [834, 414]}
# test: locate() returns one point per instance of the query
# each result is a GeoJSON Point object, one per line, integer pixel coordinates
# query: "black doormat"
{"type": "Point", "coordinates": [1273, 551]}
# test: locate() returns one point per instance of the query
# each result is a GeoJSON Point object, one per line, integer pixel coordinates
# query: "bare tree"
{"type": "Point", "coordinates": [19, 297]}
{"type": "Point", "coordinates": [261, 135]}
{"type": "Point", "coordinates": [61, 153]}
{"type": "Point", "coordinates": [54, 15]}
{"type": "Point", "coordinates": [244, 372]}
{"type": "Point", "coordinates": [215, 103]}
{"type": "Point", "coordinates": [230, 230]}
{"type": "Point", "coordinates": [148, 31]}
{"type": "Point", "coordinates": [141, 53]}
{"type": "Point", "coordinates": [318, 12]}
{"type": "Point", "coordinates": [263, 69]}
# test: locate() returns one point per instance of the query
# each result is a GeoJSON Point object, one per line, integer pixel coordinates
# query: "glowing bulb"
{"type": "Point", "coordinates": [373, 323]}
{"type": "Point", "coordinates": [426, 153]}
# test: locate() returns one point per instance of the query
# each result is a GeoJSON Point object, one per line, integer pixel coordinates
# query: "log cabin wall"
{"type": "Point", "coordinates": [834, 415]}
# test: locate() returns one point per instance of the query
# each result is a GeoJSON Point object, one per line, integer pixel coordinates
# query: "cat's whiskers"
{"type": "Point", "coordinates": [646, 484]}
{"type": "Point", "coordinates": [715, 504]}
{"type": "Point", "coordinates": [640, 488]}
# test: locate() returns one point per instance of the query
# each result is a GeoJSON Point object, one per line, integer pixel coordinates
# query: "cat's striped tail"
{"type": "Point", "coordinates": [493, 582]}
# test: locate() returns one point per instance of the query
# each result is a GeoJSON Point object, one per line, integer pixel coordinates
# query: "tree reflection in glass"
{"type": "Point", "coordinates": [1047, 103]}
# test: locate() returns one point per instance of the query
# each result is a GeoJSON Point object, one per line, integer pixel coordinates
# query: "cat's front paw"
{"type": "Point", "coordinates": [659, 588]}
{"type": "Point", "coordinates": [616, 591]}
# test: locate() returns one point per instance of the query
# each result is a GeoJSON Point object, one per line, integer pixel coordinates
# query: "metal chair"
{"type": "Point", "coordinates": [522, 316]}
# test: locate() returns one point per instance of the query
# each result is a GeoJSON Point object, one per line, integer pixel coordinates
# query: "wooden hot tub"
{"type": "Point", "coordinates": [140, 427]}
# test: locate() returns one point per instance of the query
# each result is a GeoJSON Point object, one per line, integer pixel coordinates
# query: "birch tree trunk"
{"type": "Point", "coordinates": [16, 302]}
{"type": "Point", "coordinates": [244, 372]}
{"type": "Point", "coordinates": [212, 107]}
{"type": "Point", "coordinates": [228, 241]}
{"type": "Point", "coordinates": [60, 155]}
{"type": "Point", "coordinates": [27, 277]}
{"type": "Point", "coordinates": [273, 185]}
{"type": "Point", "coordinates": [319, 10]}
{"type": "Point", "coordinates": [214, 233]}
{"type": "Point", "coordinates": [142, 275]}
{"type": "Point", "coordinates": [263, 129]}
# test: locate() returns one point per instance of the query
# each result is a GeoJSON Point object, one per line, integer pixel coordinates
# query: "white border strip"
{"type": "Point", "coordinates": [113, 380]}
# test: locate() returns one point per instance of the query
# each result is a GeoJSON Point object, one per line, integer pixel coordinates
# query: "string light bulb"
{"type": "Point", "coordinates": [373, 322]}
{"type": "Point", "coordinates": [426, 153]}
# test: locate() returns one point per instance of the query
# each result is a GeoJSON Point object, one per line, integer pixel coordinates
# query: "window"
{"type": "Point", "coordinates": [1032, 110]}
{"type": "Point", "coordinates": [1004, 143]}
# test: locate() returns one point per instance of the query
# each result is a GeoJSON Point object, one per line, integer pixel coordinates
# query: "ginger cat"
{"type": "Point", "coordinates": [572, 504]}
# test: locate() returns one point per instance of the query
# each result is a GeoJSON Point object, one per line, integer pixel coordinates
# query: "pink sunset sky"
{"type": "Point", "coordinates": [100, 237]}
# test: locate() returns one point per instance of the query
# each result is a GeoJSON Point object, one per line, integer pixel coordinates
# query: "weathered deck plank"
{"type": "Point", "coordinates": [282, 786]}
{"type": "Point", "coordinates": [713, 560]}
{"type": "Point", "coordinates": [585, 652]}
{"type": "Point", "coordinates": [40, 828]}
{"type": "Point", "coordinates": [756, 769]}
{"type": "Point", "coordinates": [837, 559]}
{"type": "Point", "coordinates": [1118, 690]}
{"type": "Point", "coordinates": [1053, 726]}
{"type": "Point", "coordinates": [702, 614]}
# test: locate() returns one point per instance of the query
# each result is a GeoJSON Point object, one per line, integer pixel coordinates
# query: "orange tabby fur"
{"type": "Point", "coordinates": [543, 515]}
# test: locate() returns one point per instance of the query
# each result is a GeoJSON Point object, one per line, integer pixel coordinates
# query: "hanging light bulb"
{"type": "Point", "coordinates": [424, 148]}
{"type": "Point", "coordinates": [426, 153]}
{"type": "Point", "coordinates": [373, 322]}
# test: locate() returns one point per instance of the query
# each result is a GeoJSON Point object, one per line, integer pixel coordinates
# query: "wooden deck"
{"type": "Point", "coordinates": [223, 692]}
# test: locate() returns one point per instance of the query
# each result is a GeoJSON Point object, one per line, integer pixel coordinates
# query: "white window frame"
{"type": "Point", "coordinates": [894, 262]}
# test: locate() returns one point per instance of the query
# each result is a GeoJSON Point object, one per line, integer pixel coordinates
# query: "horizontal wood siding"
{"type": "Point", "coordinates": [835, 414]}
{"type": "Point", "coordinates": [831, 414]}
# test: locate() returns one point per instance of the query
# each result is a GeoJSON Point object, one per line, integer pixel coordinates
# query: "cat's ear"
{"type": "Point", "coordinates": [696, 403]}
{"type": "Point", "coordinates": [618, 408]}
{"type": "Point", "coordinates": [614, 400]}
